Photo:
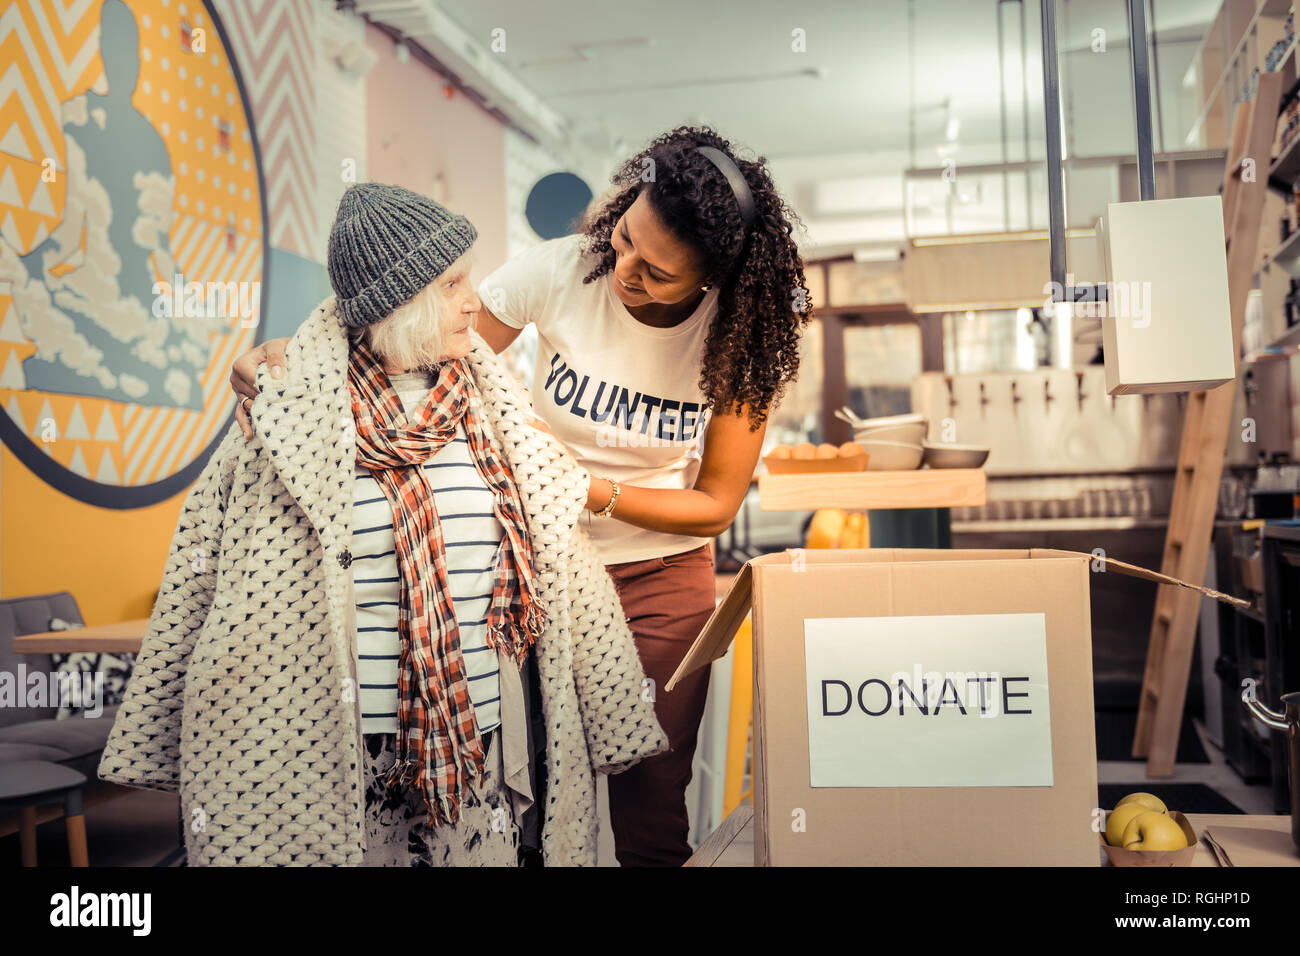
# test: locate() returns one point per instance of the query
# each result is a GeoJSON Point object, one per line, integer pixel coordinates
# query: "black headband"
{"type": "Point", "coordinates": [734, 179]}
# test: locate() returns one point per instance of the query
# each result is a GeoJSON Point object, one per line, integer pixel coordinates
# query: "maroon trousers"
{"type": "Point", "coordinates": [667, 602]}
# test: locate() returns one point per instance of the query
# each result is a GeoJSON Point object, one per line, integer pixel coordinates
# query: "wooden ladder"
{"type": "Point", "coordinates": [1206, 427]}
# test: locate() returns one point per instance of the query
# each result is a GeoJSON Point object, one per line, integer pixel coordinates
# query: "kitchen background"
{"type": "Point", "coordinates": [907, 135]}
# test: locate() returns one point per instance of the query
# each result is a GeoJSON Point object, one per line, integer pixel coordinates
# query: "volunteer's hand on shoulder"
{"type": "Point", "coordinates": [243, 381]}
{"type": "Point", "coordinates": [243, 377]}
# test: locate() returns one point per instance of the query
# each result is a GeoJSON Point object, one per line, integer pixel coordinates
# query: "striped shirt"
{"type": "Point", "coordinates": [471, 536]}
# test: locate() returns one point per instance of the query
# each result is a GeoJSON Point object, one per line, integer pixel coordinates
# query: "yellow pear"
{"type": "Point", "coordinates": [1119, 819]}
{"type": "Point", "coordinates": [1154, 831]}
{"type": "Point", "coordinates": [826, 527]}
{"type": "Point", "coordinates": [1148, 800]}
{"type": "Point", "coordinates": [851, 535]}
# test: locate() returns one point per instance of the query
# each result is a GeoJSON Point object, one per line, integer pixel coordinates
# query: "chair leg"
{"type": "Point", "coordinates": [77, 855]}
{"type": "Point", "coordinates": [76, 822]}
{"type": "Point", "coordinates": [27, 834]}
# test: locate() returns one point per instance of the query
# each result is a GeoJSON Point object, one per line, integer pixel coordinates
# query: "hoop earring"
{"type": "Point", "coordinates": [705, 288]}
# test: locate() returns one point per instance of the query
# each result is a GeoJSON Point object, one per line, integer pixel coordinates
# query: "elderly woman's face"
{"type": "Point", "coordinates": [461, 305]}
{"type": "Point", "coordinates": [431, 328]}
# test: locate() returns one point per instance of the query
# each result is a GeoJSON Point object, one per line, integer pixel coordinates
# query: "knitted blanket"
{"type": "Point", "coordinates": [243, 697]}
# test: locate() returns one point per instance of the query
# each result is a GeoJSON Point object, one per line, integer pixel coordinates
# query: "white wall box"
{"type": "Point", "coordinates": [1166, 326]}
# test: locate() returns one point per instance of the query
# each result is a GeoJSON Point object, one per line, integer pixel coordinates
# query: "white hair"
{"type": "Point", "coordinates": [413, 335]}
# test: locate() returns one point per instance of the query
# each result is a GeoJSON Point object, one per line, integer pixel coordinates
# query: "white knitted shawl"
{"type": "Point", "coordinates": [242, 696]}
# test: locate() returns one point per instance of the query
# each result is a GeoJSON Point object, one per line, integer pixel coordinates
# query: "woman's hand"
{"type": "Point", "coordinates": [243, 377]}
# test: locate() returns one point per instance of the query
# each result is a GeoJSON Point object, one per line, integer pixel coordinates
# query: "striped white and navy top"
{"type": "Point", "coordinates": [471, 535]}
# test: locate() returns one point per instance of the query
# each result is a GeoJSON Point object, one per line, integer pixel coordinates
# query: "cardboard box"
{"type": "Point", "coordinates": [1166, 326]}
{"type": "Point", "coordinates": [1251, 571]}
{"type": "Point", "coordinates": [815, 466]}
{"type": "Point", "coordinates": [850, 768]}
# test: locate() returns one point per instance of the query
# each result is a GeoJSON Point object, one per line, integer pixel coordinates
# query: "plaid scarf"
{"type": "Point", "coordinates": [438, 745]}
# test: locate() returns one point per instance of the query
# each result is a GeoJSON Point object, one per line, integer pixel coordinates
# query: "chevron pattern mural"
{"type": "Point", "coordinates": [48, 51]}
{"type": "Point", "coordinates": [279, 36]}
{"type": "Point", "coordinates": [90, 372]}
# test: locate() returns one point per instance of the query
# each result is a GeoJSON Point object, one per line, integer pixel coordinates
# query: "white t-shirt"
{"type": "Point", "coordinates": [622, 396]}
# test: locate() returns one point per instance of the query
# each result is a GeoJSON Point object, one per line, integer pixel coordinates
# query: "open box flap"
{"type": "Point", "coordinates": [1132, 570]}
{"type": "Point", "coordinates": [716, 635]}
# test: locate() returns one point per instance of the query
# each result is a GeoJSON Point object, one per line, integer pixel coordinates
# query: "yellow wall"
{"type": "Point", "coordinates": [110, 560]}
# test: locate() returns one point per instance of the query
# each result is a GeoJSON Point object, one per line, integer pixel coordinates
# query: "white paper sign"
{"type": "Point", "coordinates": [956, 700]}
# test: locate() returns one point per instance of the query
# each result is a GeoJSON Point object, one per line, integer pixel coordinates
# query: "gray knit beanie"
{"type": "Point", "coordinates": [388, 243]}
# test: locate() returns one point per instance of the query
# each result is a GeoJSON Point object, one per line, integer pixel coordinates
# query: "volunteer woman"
{"type": "Point", "coordinates": [668, 327]}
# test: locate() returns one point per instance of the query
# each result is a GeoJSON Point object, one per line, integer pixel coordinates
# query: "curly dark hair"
{"type": "Point", "coordinates": [752, 350]}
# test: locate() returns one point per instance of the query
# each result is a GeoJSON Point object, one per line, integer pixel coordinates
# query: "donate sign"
{"type": "Point", "coordinates": [955, 700]}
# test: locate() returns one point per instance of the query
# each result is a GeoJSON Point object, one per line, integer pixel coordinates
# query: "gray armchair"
{"type": "Point", "coordinates": [36, 733]}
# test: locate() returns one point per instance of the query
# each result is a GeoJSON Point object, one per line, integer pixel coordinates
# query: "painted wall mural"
{"type": "Point", "coordinates": [132, 242]}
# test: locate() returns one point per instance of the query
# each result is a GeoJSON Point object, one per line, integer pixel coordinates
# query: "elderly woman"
{"type": "Point", "coordinates": [337, 670]}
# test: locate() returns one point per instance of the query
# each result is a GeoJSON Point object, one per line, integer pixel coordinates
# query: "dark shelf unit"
{"type": "Point", "coordinates": [1242, 644]}
{"type": "Point", "coordinates": [1281, 553]}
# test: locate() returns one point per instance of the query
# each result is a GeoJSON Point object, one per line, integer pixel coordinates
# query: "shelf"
{"type": "Point", "coordinates": [1286, 55]}
{"type": "Point", "coordinates": [1228, 65]}
{"type": "Point", "coordinates": [1287, 164]}
{"type": "Point", "coordinates": [1251, 613]}
{"type": "Point", "coordinates": [1273, 9]}
{"type": "Point", "coordinates": [866, 490]}
{"type": "Point", "coordinates": [1289, 338]}
{"type": "Point", "coordinates": [1286, 255]}
{"type": "Point", "coordinates": [1285, 344]}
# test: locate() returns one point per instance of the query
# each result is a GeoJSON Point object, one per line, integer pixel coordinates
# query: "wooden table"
{"type": "Point", "coordinates": [1199, 821]}
{"type": "Point", "coordinates": [122, 637]}
{"type": "Point", "coordinates": [732, 843]}
{"type": "Point", "coordinates": [874, 490]}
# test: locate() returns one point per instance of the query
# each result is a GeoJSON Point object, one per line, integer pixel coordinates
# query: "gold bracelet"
{"type": "Point", "coordinates": [608, 510]}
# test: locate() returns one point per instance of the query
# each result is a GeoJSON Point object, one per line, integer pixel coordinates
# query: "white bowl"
{"type": "Point", "coordinates": [892, 455]}
{"type": "Point", "coordinates": [908, 434]}
{"type": "Point", "coordinates": [870, 424]}
{"type": "Point", "coordinates": [939, 455]}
